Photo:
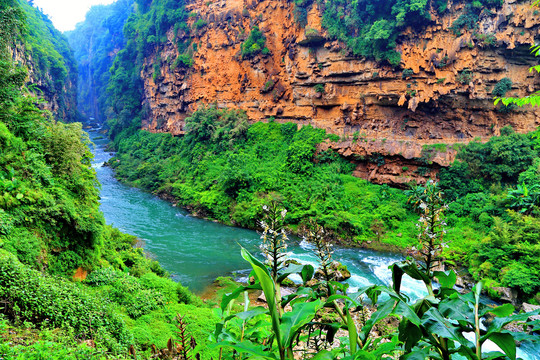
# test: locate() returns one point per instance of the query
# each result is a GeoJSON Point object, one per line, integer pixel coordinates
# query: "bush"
{"type": "Point", "coordinates": [465, 77]}
{"type": "Point", "coordinates": [319, 88]}
{"type": "Point", "coordinates": [230, 177]}
{"type": "Point", "coordinates": [52, 302]}
{"type": "Point", "coordinates": [502, 87]}
{"type": "Point", "coordinates": [254, 44]}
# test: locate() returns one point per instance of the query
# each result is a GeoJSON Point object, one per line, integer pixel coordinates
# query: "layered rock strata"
{"type": "Point", "coordinates": [392, 122]}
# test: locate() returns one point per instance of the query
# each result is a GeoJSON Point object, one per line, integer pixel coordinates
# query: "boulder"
{"type": "Point", "coordinates": [507, 294]}
{"type": "Point", "coordinates": [284, 292]}
{"type": "Point", "coordinates": [530, 307]}
{"type": "Point", "coordinates": [338, 272]}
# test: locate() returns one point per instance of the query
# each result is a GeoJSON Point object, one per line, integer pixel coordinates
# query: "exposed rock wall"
{"type": "Point", "coordinates": [384, 116]}
{"type": "Point", "coordinates": [63, 105]}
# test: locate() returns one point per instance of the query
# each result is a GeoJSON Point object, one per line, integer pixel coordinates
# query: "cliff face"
{"type": "Point", "coordinates": [391, 121]}
{"type": "Point", "coordinates": [95, 43]}
{"type": "Point", "coordinates": [60, 100]}
{"type": "Point", "coordinates": [52, 71]}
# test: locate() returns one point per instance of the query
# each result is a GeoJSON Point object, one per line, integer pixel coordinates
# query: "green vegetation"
{"type": "Point", "coordinates": [372, 28]}
{"type": "Point", "coordinates": [432, 327]}
{"type": "Point", "coordinates": [51, 59]}
{"type": "Point", "coordinates": [319, 88]}
{"type": "Point", "coordinates": [93, 42]}
{"type": "Point", "coordinates": [468, 20]}
{"type": "Point", "coordinates": [254, 44]}
{"type": "Point", "coordinates": [144, 30]}
{"type": "Point", "coordinates": [502, 87]}
{"type": "Point", "coordinates": [465, 77]}
{"type": "Point", "coordinates": [227, 170]}
{"type": "Point", "coordinates": [51, 229]}
{"type": "Point", "coordinates": [488, 183]}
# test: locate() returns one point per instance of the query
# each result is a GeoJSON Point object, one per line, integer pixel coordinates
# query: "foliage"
{"type": "Point", "coordinates": [502, 87]}
{"type": "Point", "coordinates": [51, 59]}
{"type": "Point", "coordinates": [319, 88]}
{"type": "Point", "coordinates": [144, 30]}
{"type": "Point", "coordinates": [498, 161]}
{"type": "Point", "coordinates": [228, 174]}
{"type": "Point", "coordinates": [56, 303]}
{"type": "Point", "coordinates": [368, 28]}
{"type": "Point", "coordinates": [465, 77]}
{"type": "Point", "coordinates": [486, 180]}
{"type": "Point", "coordinates": [93, 41]}
{"type": "Point", "coordinates": [433, 327]}
{"type": "Point", "coordinates": [508, 255]}
{"type": "Point", "coordinates": [254, 44]}
{"type": "Point", "coordinates": [50, 225]}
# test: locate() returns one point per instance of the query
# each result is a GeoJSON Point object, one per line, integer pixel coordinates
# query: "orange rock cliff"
{"type": "Point", "coordinates": [393, 124]}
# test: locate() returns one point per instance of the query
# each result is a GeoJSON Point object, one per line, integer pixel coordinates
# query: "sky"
{"type": "Point", "coordinates": [65, 14]}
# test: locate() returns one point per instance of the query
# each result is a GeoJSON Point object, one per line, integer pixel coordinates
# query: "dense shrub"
{"type": "Point", "coordinates": [501, 244]}
{"type": "Point", "coordinates": [370, 28]}
{"type": "Point", "coordinates": [227, 171]}
{"type": "Point", "coordinates": [254, 44]}
{"type": "Point", "coordinates": [502, 87]}
{"type": "Point", "coordinates": [53, 302]}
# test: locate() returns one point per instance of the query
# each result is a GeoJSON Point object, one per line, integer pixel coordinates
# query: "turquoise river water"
{"type": "Point", "coordinates": [196, 251]}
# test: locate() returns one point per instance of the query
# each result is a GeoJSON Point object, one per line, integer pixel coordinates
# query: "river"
{"type": "Point", "coordinates": [196, 251]}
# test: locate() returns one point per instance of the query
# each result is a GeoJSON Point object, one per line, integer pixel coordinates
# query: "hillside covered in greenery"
{"type": "Point", "coordinates": [51, 229]}
{"type": "Point", "coordinates": [95, 43]}
{"type": "Point", "coordinates": [53, 67]}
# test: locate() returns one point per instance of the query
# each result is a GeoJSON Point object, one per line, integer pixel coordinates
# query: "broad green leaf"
{"type": "Point", "coordinates": [421, 354]}
{"type": "Point", "coordinates": [231, 296]}
{"type": "Point", "coordinates": [291, 269]}
{"type": "Point", "coordinates": [293, 321]}
{"type": "Point", "coordinates": [333, 328]}
{"type": "Point", "coordinates": [409, 268]}
{"type": "Point", "coordinates": [248, 347]}
{"type": "Point", "coordinates": [269, 289]}
{"type": "Point", "coordinates": [387, 348]}
{"type": "Point", "coordinates": [457, 309]}
{"type": "Point", "coordinates": [409, 334]}
{"type": "Point", "coordinates": [505, 342]}
{"type": "Point", "coordinates": [407, 312]}
{"type": "Point", "coordinates": [248, 315]}
{"type": "Point", "coordinates": [324, 355]}
{"type": "Point", "coordinates": [499, 322]}
{"type": "Point", "coordinates": [307, 273]}
{"type": "Point", "coordinates": [436, 324]}
{"type": "Point", "coordinates": [447, 279]}
{"type": "Point", "coordinates": [383, 311]}
{"type": "Point", "coordinates": [353, 332]}
{"type": "Point", "coordinates": [500, 311]}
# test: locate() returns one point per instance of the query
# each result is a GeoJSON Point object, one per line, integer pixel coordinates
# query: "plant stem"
{"type": "Point", "coordinates": [477, 331]}
{"type": "Point", "coordinates": [344, 318]}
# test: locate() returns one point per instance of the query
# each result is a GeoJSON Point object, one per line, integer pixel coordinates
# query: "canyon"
{"type": "Point", "coordinates": [395, 123]}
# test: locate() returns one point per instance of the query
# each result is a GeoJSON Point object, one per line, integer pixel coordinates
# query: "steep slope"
{"type": "Point", "coordinates": [95, 42]}
{"type": "Point", "coordinates": [52, 68]}
{"type": "Point", "coordinates": [441, 92]}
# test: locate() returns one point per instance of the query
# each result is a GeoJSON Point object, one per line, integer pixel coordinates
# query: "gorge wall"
{"type": "Point", "coordinates": [395, 123]}
{"type": "Point", "coordinates": [52, 70]}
